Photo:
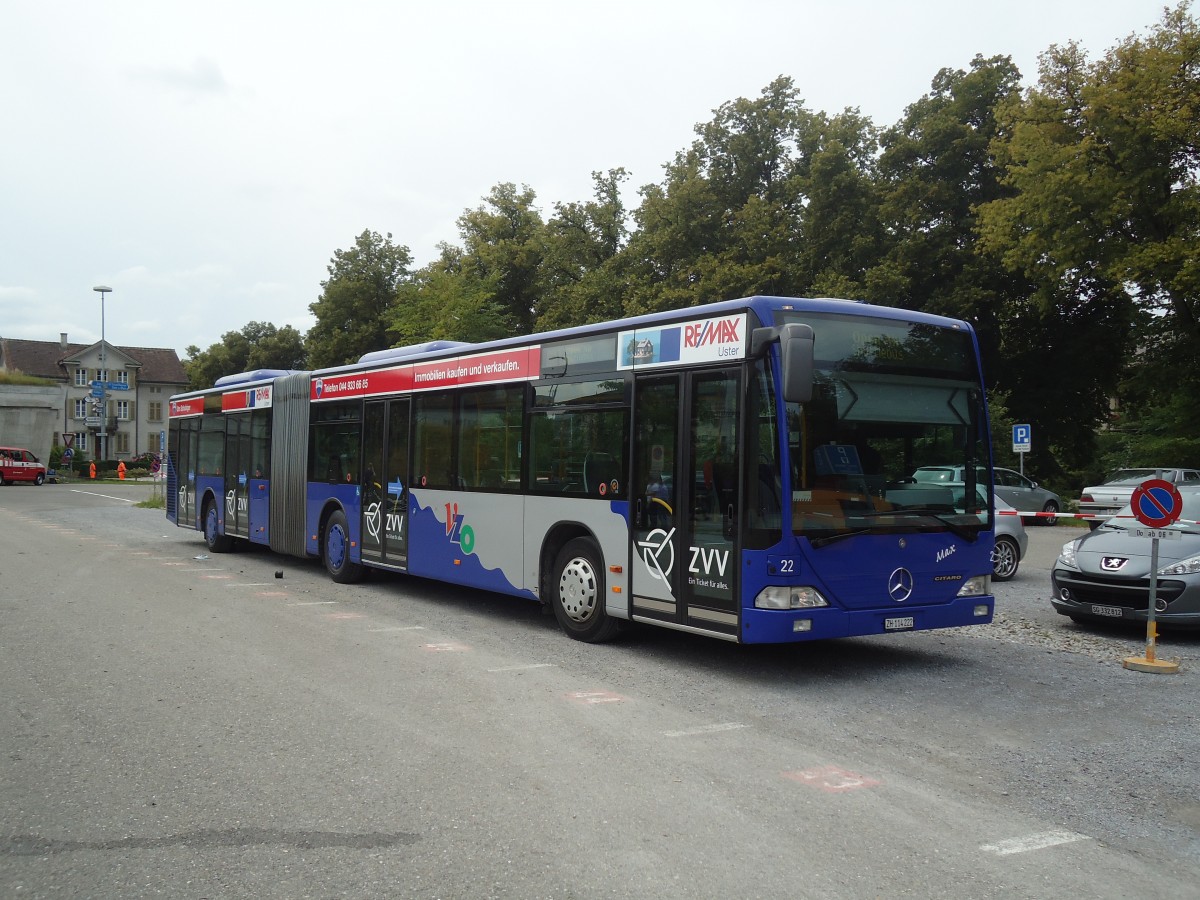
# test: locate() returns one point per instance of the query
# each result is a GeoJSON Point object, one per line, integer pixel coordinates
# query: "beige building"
{"type": "Point", "coordinates": [137, 383]}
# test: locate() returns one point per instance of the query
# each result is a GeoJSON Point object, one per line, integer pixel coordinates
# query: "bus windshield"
{"type": "Point", "coordinates": [889, 397]}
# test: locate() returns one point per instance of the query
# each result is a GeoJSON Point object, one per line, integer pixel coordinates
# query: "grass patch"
{"type": "Point", "coordinates": [157, 501]}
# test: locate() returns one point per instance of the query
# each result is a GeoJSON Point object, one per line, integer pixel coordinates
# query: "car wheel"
{"type": "Point", "coordinates": [578, 593]}
{"type": "Point", "coordinates": [217, 542]}
{"type": "Point", "coordinates": [1006, 557]}
{"type": "Point", "coordinates": [1052, 508]}
{"type": "Point", "coordinates": [39, 478]}
{"type": "Point", "coordinates": [336, 550]}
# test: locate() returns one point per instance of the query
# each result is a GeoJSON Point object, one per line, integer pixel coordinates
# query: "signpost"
{"type": "Point", "coordinates": [1022, 442]}
{"type": "Point", "coordinates": [1156, 504]}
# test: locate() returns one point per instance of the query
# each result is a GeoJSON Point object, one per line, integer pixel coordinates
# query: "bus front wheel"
{"type": "Point", "coordinates": [336, 550]}
{"type": "Point", "coordinates": [217, 542]}
{"type": "Point", "coordinates": [578, 593]}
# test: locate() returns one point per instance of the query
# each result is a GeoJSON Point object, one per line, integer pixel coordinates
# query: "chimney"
{"type": "Point", "coordinates": [62, 339]}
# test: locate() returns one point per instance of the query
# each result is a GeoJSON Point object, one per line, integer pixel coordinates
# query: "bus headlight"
{"type": "Point", "coordinates": [779, 597]}
{"type": "Point", "coordinates": [978, 586]}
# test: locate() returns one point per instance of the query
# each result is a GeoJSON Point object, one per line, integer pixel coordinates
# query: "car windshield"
{"type": "Point", "coordinates": [930, 475]}
{"type": "Point", "coordinates": [1130, 476]}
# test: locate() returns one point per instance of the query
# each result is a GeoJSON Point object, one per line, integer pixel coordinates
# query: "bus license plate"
{"type": "Point", "coordinates": [898, 624]}
{"type": "Point", "coordinates": [1114, 611]}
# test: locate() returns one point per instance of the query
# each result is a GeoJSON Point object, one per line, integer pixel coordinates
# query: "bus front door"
{"type": "Point", "coordinates": [687, 511]}
{"type": "Point", "coordinates": [384, 479]}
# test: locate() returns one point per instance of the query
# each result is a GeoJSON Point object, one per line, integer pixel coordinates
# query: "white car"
{"type": "Point", "coordinates": [1104, 500]}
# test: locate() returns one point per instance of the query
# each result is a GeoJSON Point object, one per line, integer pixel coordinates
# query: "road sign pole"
{"type": "Point", "coordinates": [1156, 504]}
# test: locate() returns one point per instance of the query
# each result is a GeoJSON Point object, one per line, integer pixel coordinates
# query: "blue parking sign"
{"type": "Point", "coordinates": [1022, 438]}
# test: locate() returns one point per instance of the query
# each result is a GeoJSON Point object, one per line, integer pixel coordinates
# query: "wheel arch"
{"type": "Point", "coordinates": [558, 536]}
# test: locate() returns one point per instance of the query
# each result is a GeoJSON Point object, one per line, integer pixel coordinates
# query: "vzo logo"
{"type": "Point", "coordinates": [463, 535]}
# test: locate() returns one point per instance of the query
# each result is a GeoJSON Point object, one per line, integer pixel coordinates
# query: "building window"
{"type": "Point", "coordinates": [122, 409]}
{"type": "Point", "coordinates": [81, 408]}
{"type": "Point", "coordinates": [102, 374]}
{"type": "Point", "coordinates": [81, 379]}
{"type": "Point", "coordinates": [122, 441]}
{"type": "Point", "coordinates": [155, 410]}
{"type": "Point", "coordinates": [81, 441]}
{"type": "Point", "coordinates": [122, 377]}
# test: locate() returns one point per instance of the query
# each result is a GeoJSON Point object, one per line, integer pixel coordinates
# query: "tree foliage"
{"type": "Point", "coordinates": [259, 345]}
{"type": "Point", "coordinates": [1103, 219]}
{"type": "Point", "coordinates": [352, 311]}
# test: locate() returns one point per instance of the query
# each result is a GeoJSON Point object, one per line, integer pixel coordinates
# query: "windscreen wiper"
{"type": "Point", "coordinates": [927, 512]}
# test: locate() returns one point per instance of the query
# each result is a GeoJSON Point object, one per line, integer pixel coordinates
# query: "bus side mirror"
{"type": "Point", "coordinates": [796, 351]}
{"type": "Point", "coordinates": [796, 345]}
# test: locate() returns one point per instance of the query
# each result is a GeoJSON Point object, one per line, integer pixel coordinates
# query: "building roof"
{"type": "Point", "coordinates": [45, 359]}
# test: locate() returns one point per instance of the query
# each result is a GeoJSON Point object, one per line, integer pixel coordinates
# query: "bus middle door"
{"type": "Point", "coordinates": [384, 497]}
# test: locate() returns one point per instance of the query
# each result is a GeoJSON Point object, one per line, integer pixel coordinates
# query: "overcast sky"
{"type": "Point", "coordinates": [206, 160]}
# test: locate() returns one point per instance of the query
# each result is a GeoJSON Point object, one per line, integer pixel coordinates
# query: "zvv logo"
{"type": "Point", "coordinates": [658, 553]}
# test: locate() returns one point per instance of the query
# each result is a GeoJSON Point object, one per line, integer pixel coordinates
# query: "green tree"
{"type": "Point", "coordinates": [259, 345]}
{"type": "Point", "coordinates": [1104, 219]}
{"type": "Point", "coordinates": [353, 309]}
{"type": "Point", "coordinates": [770, 199]}
{"type": "Point", "coordinates": [581, 264]}
{"type": "Point", "coordinates": [503, 243]}
{"type": "Point", "coordinates": [441, 303]}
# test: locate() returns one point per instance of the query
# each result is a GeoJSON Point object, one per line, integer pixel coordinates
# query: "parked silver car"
{"type": "Point", "coordinates": [1014, 488]}
{"type": "Point", "coordinates": [1105, 575]}
{"type": "Point", "coordinates": [1104, 500]}
{"type": "Point", "coordinates": [1011, 539]}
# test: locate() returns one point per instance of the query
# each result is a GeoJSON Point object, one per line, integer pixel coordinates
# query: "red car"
{"type": "Point", "coordinates": [20, 465]}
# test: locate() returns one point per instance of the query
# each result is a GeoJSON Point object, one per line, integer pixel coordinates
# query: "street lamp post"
{"type": "Point", "coordinates": [103, 289]}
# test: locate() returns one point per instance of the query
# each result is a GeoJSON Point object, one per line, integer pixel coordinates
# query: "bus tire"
{"type": "Point", "coordinates": [578, 595]}
{"type": "Point", "coordinates": [335, 550]}
{"type": "Point", "coordinates": [217, 542]}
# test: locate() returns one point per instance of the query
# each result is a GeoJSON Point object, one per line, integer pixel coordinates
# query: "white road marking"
{"type": "Point", "coordinates": [523, 668]}
{"type": "Point", "coordinates": [396, 628]}
{"type": "Point", "coordinates": [315, 603]}
{"type": "Point", "coordinates": [105, 496]}
{"type": "Point", "coordinates": [705, 729]}
{"type": "Point", "coordinates": [1033, 842]}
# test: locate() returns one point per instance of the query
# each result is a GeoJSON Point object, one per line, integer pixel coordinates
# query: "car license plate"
{"type": "Point", "coordinates": [1114, 611]}
{"type": "Point", "coordinates": [898, 624]}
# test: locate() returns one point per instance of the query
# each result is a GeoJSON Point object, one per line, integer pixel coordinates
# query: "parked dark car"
{"type": "Point", "coordinates": [1105, 574]}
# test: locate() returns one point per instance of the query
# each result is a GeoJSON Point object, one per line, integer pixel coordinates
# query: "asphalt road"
{"type": "Point", "coordinates": [184, 725]}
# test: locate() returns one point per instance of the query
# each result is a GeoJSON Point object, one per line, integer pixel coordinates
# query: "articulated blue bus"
{"type": "Point", "coordinates": [741, 470]}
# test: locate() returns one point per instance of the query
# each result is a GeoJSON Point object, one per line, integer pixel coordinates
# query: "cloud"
{"type": "Point", "coordinates": [202, 77]}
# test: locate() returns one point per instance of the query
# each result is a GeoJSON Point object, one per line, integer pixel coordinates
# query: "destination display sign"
{"type": "Point", "coordinates": [181, 409]}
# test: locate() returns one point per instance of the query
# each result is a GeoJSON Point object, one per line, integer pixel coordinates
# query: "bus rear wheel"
{"type": "Point", "coordinates": [336, 551]}
{"type": "Point", "coordinates": [578, 593]}
{"type": "Point", "coordinates": [217, 542]}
